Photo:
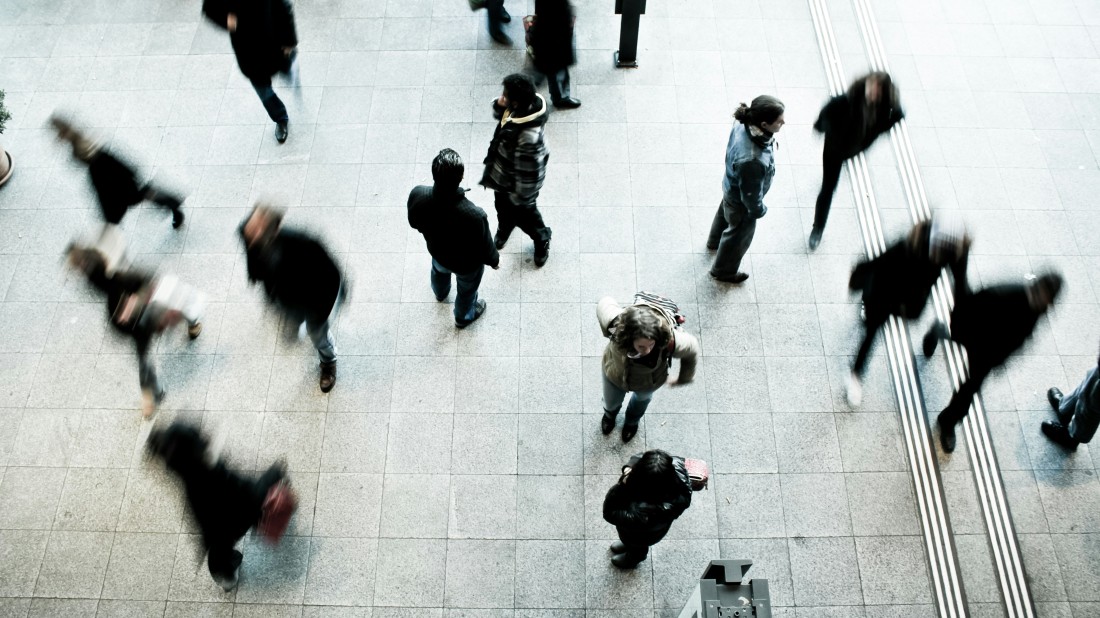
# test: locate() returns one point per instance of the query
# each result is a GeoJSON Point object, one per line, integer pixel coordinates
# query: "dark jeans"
{"type": "Point", "coordinates": [495, 9]}
{"type": "Point", "coordinates": [613, 401]}
{"type": "Point", "coordinates": [1080, 420]}
{"type": "Point", "coordinates": [274, 106]}
{"type": "Point", "coordinates": [524, 216]}
{"type": "Point", "coordinates": [466, 299]}
{"type": "Point", "coordinates": [147, 370]}
{"type": "Point", "coordinates": [222, 560]}
{"type": "Point", "coordinates": [831, 165]}
{"type": "Point", "coordinates": [557, 82]}
{"type": "Point", "coordinates": [732, 232]}
{"type": "Point", "coordinates": [959, 405]}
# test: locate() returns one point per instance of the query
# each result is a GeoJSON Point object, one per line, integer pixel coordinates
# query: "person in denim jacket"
{"type": "Point", "coordinates": [750, 166]}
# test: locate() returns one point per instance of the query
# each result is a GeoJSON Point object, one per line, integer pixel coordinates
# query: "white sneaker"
{"type": "Point", "coordinates": [854, 391]}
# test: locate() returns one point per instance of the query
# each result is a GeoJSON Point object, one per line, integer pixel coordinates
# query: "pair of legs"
{"type": "Point", "coordinates": [730, 234]}
{"type": "Point", "coordinates": [513, 212]}
{"type": "Point", "coordinates": [558, 83]}
{"type": "Point", "coordinates": [272, 103]}
{"type": "Point", "coordinates": [497, 18]}
{"type": "Point", "coordinates": [872, 323]}
{"type": "Point", "coordinates": [631, 548]}
{"type": "Point", "coordinates": [165, 200]}
{"type": "Point", "coordinates": [831, 163]}
{"type": "Point", "coordinates": [319, 330]}
{"type": "Point", "coordinates": [222, 559]}
{"type": "Point", "coordinates": [613, 397]}
{"type": "Point", "coordinates": [1077, 423]}
{"type": "Point", "coordinates": [466, 299]}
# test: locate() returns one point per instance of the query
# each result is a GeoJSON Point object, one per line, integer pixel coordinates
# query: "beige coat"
{"type": "Point", "coordinates": [630, 376]}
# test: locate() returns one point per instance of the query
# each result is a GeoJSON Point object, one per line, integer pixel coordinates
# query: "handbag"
{"type": "Point", "coordinates": [529, 34]}
{"type": "Point", "coordinates": [278, 507]}
{"type": "Point", "coordinates": [698, 473]}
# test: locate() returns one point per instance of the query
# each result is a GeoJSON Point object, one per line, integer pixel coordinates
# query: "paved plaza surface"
{"type": "Point", "coordinates": [462, 473]}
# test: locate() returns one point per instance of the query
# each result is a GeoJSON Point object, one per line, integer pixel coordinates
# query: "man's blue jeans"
{"type": "Point", "coordinates": [466, 298]}
{"type": "Point", "coordinates": [1080, 420]}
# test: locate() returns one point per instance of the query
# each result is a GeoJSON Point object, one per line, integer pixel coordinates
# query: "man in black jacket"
{"type": "Point", "coordinates": [991, 324]}
{"type": "Point", "coordinates": [299, 277]}
{"type": "Point", "coordinates": [264, 40]}
{"type": "Point", "coordinates": [515, 165]}
{"type": "Point", "coordinates": [457, 233]}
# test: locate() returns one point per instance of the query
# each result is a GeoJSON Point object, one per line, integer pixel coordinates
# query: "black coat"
{"type": "Point", "coordinates": [264, 28]}
{"type": "Point", "coordinates": [843, 121]}
{"type": "Point", "coordinates": [116, 185]}
{"type": "Point", "coordinates": [993, 323]}
{"type": "Point", "coordinates": [298, 274]}
{"type": "Point", "coordinates": [457, 231]}
{"type": "Point", "coordinates": [117, 288]}
{"type": "Point", "coordinates": [552, 36]}
{"type": "Point", "coordinates": [899, 281]}
{"type": "Point", "coordinates": [640, 521]}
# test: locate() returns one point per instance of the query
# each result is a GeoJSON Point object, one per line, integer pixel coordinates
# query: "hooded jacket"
{"type": "Point", "coordinates": [298, 274]}
{"type": "Point", "coordinates": [642, 519]}
{"type": "Point", "coordinates": [264, 28]}
{"type": "Point", "coordinates": [457, 231]}
{"type": "Point", "coordinates": [517, 156]}
{"type": "Point", "coordinates": [750, 167]}
{"type": "Point", "coordinates": [636, 374]}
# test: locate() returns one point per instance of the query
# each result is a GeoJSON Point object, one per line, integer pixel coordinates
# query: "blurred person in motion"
{"type": "Point", "coordinates": [653, 490]}
{"type": "Point", "coordinates": [991, 324]}
{"type": "Point", "coordinates": [265, 42]}
{"type": "Point", "coordinates": [115, 181]}
{"type": "Point", "coordinates": [851, 122]}
{"type": "Point", "coordinates": [141, 306]}
{"type": "Point", "coordinates": [643, 340]}
{"type": "Point", "coordinates": [224, 503]}
{"type": "Point", "coordinates": [498, 16]}
{"type": "Point", "coordinates": [515, 166]}
{"type": "Point", "coordinates": [554, 50]}
{"type": "Point", "coordinates": [299, 277]}
{"type": "Point", "coordinates": [1078, 412]}
{"type": "Point", "coordinates": [750, 167]}
{"type": "Point", "coordinates": [899, 281]}
{"type": "Point", "coordinates": [458, 236]}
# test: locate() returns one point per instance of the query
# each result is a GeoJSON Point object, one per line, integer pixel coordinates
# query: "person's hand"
{"type": "Point", "coordinates": [287, 51]}
{"type": "Point", "coordinates": [231, 22]}
{"type": "Point", "coordinates": [502, 101]}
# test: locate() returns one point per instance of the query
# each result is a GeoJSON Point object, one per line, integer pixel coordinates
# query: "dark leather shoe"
{"type": "Point", "coordinates": [623, 561]}
{"type": "Point", "coordinates": [177, 219]}
{"type": "Point", "coordinates": [542, 252]}
{"type": "Point", "coordinates": [501, 38]}
{"type": "Point", "coordinates": [281, 132]}
{"type": "Point", "coordinates": [607, 424]}
{"type": "Point", "coordinates": [1054, 396]}
{"type": "Point", "coordinates": [1059, 435]}
{"type": "Point", "coordinates": [629, 431]}
{"type": "Point", "coordinates": [735, 278]}
{"type": "Point", "coordinates": [505, 16]}
{"type": "Point", "coordinates": [479, 310]}
{"type": "Point", "coordinates": [947, 435]}
{"type": "Point", "coordinates": [618, 548]}
{"type": "Point", "coordinates": [328, 376]}
{"type": "Point", "coordinates": [567, 103]}
{"type": "Point", "coordinates": [815, 238]}
{"type": "Point", "coordinates": [500, 239]}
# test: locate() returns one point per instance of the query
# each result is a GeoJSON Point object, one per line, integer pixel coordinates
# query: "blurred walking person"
{"type": "Point", "coordinates": [899, 281]}
{"type": "Point", "coordinates": [299, 277]}
{"type": "Point", "coordinates": [1078, 412]}
{"type": "Point", "coordinates": [458, 236]}
{"type": "Point", "coordinates": [265, 42]}
{"type": "Point", "coordinates": [115, 181]}
{"type": "Point", "coordinates": [638, 358]}
{"type": "Point", "coordinates": [554, 49]}
{"type": "Point", "coordinates": [515, 166]}
{"type": "Point", "coordinates": [652, 492]}
{"type": "Point", "coordinates": [991, 324]}
{"type": "Point", "coordinates": [750, 167]}
{"type": "Point", "coordinates": [498, 16]}
{"type": "Point", "coordinates": [851, 122]}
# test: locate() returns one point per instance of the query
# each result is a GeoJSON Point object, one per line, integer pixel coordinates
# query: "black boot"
{"type": "Point", "coordinates": [932, 338]}
{"type": "Point", "coordinates": [815, 238]}
{"type": "Point", "coordinates": [629, 431]}
{"type": "Point", "coordinates": [501, 238]}
{"type": "Point", "coordinates": [328, 376]}
{"type": "Point", "coordinates": [1054, 396]}
{"type": "Point", "coordinates": [542, 252]}
{"type": "Point", "coordinates": [1059, 435]}
{"type": "Point", "coordinates": [607, 423]}
{"type": "Point", "coordinates": [947, 434]}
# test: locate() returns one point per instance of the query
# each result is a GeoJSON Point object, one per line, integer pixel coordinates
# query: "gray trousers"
{"type": "Point", "coordinates": [613, 397]}
{"type": "Point", "coordinates": [731, 232]}
{"type": "Point", "coordinates": [1074, 413]}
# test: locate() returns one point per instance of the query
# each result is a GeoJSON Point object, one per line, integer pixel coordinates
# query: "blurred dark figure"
{"type": "Point", "coordinates": [991, 324]}
{"type": "Point", "coordinates": [299, 277]}
{"type": "Point", "coordinates": [652, 492]}
{"type": "Point", "coordinates": [225, 504]}
{"type": "Point", "coordinates": [458, 236]}
{"type": "Point", "coordinates": [141, 306]}
{"type": "Point", "coordinates": [264, 40]}
{"type": "Point", "coordinates": [515, 165]}
{"type": "Point", "coordinates": [115, 181]}
{"type": "Point", "coordinates": [899, 281]}
{"type": "Point", "coordinates": [851, 122]}
{"type": "Point", "coordinates": [554, 50]}
{"type": "Point", "coordinates": [750, 167]}
{"type": "Point", "coordinates": [1078, 412]}
{"type": "Point", "coordinates": [498, 16]}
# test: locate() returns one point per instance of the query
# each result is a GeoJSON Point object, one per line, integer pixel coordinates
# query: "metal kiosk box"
{"type": "Point", "coordinates": [722, 593]}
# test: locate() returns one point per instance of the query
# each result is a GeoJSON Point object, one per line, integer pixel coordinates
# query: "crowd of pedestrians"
{"type": "Point", "coordinates": [302, 280]}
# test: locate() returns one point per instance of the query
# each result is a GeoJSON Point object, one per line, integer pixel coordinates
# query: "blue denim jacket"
{"type": "Point", "coordinates": [749, 171]}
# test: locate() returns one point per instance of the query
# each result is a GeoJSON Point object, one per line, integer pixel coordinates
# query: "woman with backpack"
{"type": "Point", "coordinates": [652, 492]}
{"type": "Point", "coordinates": [644, 339]}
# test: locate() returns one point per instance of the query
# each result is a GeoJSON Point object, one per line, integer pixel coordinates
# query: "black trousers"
{"type": "Point", "coordinates": [222, 560]}
{"type": "Point", "coordinates": [871, 325]}
{"type": "Point", "coordinates": [831, 163]}
{"type": "Point", "coordinates": [524, 216]}
{"type": "Point", "coordinates": [959, 405]}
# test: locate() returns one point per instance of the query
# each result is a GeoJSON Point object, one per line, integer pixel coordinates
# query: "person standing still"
{"type": "Point", "coordinates": [1078, 412]}
{"type": "Point", "coordinates": [264, 40]}
{"type": "Point", "coordinates": [554, 49]}
{"type": "Point", "coordinates": [651, 494]}
{"type": "Point", "coordinates": [750, 166]}
{"type": "Point", "coordinates": [515, 165]}
{"type": "Point", "coordinates": [458, 236]}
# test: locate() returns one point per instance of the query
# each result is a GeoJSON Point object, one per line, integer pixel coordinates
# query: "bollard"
{"type": "Point", "coordinates": [722, 592]}
{"type": "Point", "coordinates": [627, 55]}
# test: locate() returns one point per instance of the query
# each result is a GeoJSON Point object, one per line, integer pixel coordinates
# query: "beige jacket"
{"type": "Point", "coordinates": [631, 376]}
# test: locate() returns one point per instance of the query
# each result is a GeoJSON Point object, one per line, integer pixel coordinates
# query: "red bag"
{"type": "Point", "coordinates": [278, 508]}
{"type": "Point", "coordinates": [698, 472]}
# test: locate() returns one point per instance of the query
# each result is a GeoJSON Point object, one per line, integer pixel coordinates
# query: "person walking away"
{"type": "Point", "coordinates": [515, 165]}
{"type": "Point", "coordinates": [638, 358]}
{"type": "Point", "coordinates": [115, 181]}
{"type": "Point", "coordinates": [650, 495]}
{"type": "Point", "coordinates": [553, 44]}
{"type": "Point", "coordinates": [851, 122]}
{"type": "Point", "coordinates": [750, 167]}
{"type": "Point", "coordinates": [458, 236]}
{"type": "Point", "coordinates": [1078, 412]}
{"type": "Point", "coordinates": [141, 306]}
{"type": "Point", "coordinates": [899, 281]}
{"type": "Point", "coordinates": [265, 42]}
{"type": "Point", "coordinates": [299, 277]}
{"type": "Point", "coordinates": [991, 324]}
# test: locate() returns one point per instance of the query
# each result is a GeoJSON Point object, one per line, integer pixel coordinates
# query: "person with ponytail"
{"type": "Point", "coordinates": [750, 166]}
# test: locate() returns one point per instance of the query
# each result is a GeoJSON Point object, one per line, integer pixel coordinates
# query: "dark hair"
{"type": "Point", "coordinates": [447, 169]}
{"type": "Point", "coordinates": [640, 322]}
{"type": "Point", "coordinates": [520, 91]}
{"type": "Point", "coordinates": [764, 108]}
{"type": "Point", "coordinates": [181, 445]}
{"type": "Point", "coordinates": [655, 477]}
{"type": "Point", "coordinates": [859, 87]}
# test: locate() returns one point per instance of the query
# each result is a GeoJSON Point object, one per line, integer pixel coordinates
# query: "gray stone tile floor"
{"type": "Point", "coordinates": [462, 472]}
